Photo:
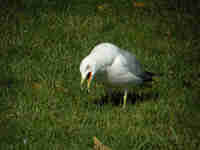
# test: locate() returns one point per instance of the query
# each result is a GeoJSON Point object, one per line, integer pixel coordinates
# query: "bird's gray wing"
{"type": "Point", "coordinates": [123, 71]}
{"type": "Point", "coordinates": [134, 66]}
{"type": "Point", "coordinates": [130, 61]}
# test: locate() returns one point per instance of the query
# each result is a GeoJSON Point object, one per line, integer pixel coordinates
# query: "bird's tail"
{"type": "Point", "coordinates": [149, 76]}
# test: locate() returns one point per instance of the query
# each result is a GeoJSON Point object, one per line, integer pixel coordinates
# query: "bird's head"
{"type": "Point", "coordinates": [87, 70]}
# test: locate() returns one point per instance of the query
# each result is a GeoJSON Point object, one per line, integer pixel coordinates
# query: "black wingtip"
{"type": "Point", "coordinates": [153, 74]}
{"type": "Point", "coordinates": [148, 76]}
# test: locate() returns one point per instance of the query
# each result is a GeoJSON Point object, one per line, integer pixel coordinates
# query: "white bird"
{"type": "Point", "coordinates": [114, 67]}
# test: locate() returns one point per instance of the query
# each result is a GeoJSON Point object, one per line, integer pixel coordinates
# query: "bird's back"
{"type": "Point", "coordinates": [107, 55]}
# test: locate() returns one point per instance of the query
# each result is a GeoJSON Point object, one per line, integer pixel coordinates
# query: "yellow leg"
{"type": "Point", "coordinates": [125, 98]}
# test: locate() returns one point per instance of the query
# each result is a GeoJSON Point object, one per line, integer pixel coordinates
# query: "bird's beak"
{"type": "Point", "coordinates": [82, 81]}
{"type": "Point", "coordinates": [89, 79]}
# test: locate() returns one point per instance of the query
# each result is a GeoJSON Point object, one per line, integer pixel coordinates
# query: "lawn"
{"type": "Point", "coordinates": [41, 104]}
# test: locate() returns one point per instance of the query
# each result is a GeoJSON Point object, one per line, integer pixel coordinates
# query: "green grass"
{"type": "Point", "coordinates": [41, 105]}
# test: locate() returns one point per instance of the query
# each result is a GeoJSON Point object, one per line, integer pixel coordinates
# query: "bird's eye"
{"type": "Point", "coordinates": [88, 67]}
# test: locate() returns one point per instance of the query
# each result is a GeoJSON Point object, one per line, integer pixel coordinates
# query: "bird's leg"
{"type": "Point", "coordinates": [125, 97]}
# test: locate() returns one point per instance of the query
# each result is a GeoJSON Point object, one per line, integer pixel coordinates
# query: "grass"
{"type": "Point", "coordinates": [41, 105]}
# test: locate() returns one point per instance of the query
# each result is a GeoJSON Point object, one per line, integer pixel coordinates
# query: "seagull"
{"type": "Point", "coordinates": [114, 67]}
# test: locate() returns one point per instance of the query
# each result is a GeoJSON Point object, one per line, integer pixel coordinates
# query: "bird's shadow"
{"type": "Point", "coordinates": [116, 98]}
